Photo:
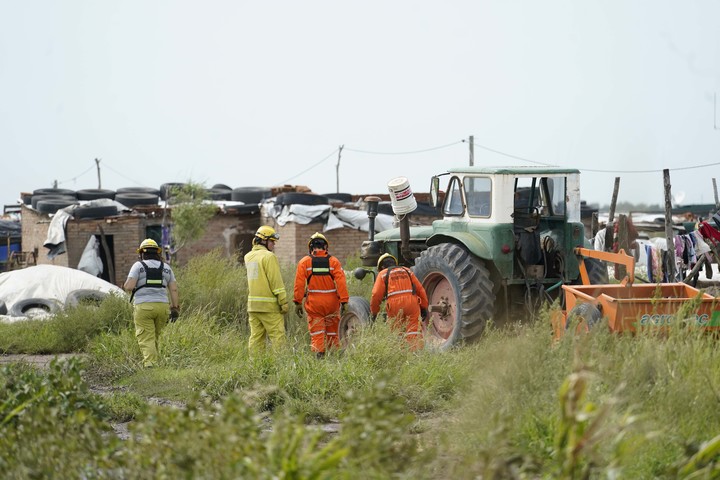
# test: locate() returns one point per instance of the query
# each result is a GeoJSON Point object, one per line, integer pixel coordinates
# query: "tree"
{"type": "Point", "coordinates": [191, 212]}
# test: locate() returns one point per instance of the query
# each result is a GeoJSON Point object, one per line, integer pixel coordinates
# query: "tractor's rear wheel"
{"type": "Point", "coordinates": [356, 317]}
{"type": "Point", "coordinates": [460, 293]}
{"type": "Point", "coordinates": [584, 316]}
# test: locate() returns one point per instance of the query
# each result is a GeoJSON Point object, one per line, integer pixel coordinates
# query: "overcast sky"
{"type": "Point", "coordinates": [263, 93]}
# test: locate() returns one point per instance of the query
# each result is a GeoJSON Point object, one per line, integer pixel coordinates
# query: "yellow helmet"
{"type": "Point", "coordinates": [149, 245]}
{"type": "Point", "coordinates": [318, 240]}
{"type": "Point", "coordinates": [385, 261]}
{"type": "Point", "coordinates": [266, 232]}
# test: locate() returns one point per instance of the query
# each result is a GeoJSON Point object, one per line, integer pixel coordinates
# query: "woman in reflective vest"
{"type": "Point", "coordinates": [149, 281]}
{"type": "Point", "coordinates": [320, 280]}
{"type": "Point", "coordinates": [406, 302]}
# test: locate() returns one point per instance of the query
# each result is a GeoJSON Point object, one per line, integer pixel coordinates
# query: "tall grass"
{"type": "Point", "coordinates": [599, 405]}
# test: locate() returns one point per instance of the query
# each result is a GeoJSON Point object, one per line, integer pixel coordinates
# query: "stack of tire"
{"type": "Point", "coordinates": [50, 200]}
{"type": "Point", "coordinates": [137, 196]}
{"type": "Point", "coordinates": [92, 211]}
{"type": "Point", "coordinates": [220, 192]}
{"type": "Point", "coordinates": [252, 197]}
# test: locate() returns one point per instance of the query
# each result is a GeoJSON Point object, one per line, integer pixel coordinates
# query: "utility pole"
{"type": "Point", "coordinates": [97, 164]}
{"type": "Point", "coordinates": [55, 183]}
{"type": "Point", "coordinates": [472, 150]}
{"type": "Point", "coordinates": [337, 169]}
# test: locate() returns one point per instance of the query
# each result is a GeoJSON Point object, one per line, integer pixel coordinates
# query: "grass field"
{"type": "Point", "coordinates": [513, 405]}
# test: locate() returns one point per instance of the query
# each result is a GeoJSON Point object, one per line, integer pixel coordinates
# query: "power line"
{"type": "Point", "coordinates": [309, 168]}
{"type": "Point", "coordinates": [512, 156]}
{"type": "Point", "coordinates": [122, 175]}
{"type": "Point", "coordinates": [596, 170]}
{"type": "Point", "coordinates": [73, 179]}
{"type": "Point", "coordinates": [404, 153]}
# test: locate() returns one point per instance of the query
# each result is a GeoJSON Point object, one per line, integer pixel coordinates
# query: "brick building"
{"type": "Point", "coordinates": [119, 236]}
{"type": "Point", "coordinates": [229, 230]}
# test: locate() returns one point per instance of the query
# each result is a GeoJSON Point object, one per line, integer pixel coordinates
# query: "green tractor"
{"type": "Point", "coordinates": [505, 244]}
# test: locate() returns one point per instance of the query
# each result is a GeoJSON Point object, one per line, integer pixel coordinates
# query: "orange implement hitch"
{"type": "Point", "coordinates": [632, 308]}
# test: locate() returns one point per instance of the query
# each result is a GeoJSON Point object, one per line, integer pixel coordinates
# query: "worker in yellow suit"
{"type": "Point", "coordinates": [267, 300]}
{"type": "Point", "coordinates": [154, 296]}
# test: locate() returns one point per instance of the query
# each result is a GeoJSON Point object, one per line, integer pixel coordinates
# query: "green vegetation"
{"type": "Point", "coordinates": [514, 405]}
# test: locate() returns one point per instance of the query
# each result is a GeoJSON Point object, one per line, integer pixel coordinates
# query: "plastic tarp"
{"type": "Point", "coordinates": [331, 217]}
{"type": "Point", "coordinates": [55, 240]}
{"type": "Point", "coordinates": [10, 229]}
{"type": "Point", "coordinates": [48, 282]}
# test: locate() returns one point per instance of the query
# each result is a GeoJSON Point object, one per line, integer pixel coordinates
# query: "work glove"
{"type": "Point", "coordinates": [174, 314]}
{"type": "Point", "coordinates": [343, 308]}
{"type": "Point", "coordinates": [284, 308]}
{"type": "Point", "coordinates": [423, 314]}
{"type": "Point", "coordinates": [299, 310]}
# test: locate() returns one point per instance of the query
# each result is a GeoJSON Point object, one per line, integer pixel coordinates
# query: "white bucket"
{"type": "Point", "coordinates": [403, 200]}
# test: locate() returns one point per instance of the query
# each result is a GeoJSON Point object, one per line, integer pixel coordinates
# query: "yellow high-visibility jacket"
{"type": "Point", "coordinates": [266, 290]}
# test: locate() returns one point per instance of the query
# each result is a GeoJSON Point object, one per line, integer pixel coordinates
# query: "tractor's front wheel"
{"type": "Point", "coordinates": [460, 293]}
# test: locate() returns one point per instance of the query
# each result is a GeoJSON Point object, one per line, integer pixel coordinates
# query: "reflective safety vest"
{"type": "Point", "coordinates": [153, 278]}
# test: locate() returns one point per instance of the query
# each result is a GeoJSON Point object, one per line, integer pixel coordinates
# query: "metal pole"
{"type": "Point", "coordinates": [472, 150]}
{"type": "Point", "coordinates": [717, 203]}
{"type": "Point", "coordinates": [337, 170]}
{"type": "Point", "coordinates": [97, 164]}
{"type": "Point", "coordinates": [670, 238]}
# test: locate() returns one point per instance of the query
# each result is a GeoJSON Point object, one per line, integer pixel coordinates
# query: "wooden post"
{"type": "Point", "coordinates": [472, 150]}
{"type": "Point", "coordinates": [717, 202]}
{"type": "Point", "coordinates": [669, 236]}
{"type": "Point", "coordinates": [108, 255]}
{"type": "Point", "coordinates": [624, 243]}
{"type": "Point", "coordinates": [613, 203]}
{"type": "Point", "coordinates": [594, 224]}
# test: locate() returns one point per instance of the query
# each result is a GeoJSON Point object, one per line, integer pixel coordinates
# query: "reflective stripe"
{"type": "Point", "coordinates": [412, 333]}
{"type": "Point", "coordinates": [323, 291]}
{"type": "Point", "coordinates": [320, 332]}
{"type": "Point", "coordinates": [331, 334]}
{"type": "Point", "coordinates": [399, 292]}
{"type": "Point", "coordinates": [278, 290]}
{"type": "Point", "coordinates": [262, 299]}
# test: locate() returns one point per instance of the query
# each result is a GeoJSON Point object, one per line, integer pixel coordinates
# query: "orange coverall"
{"type": "Point", "coordinates": [326, 290]}
{"type": "Point", "coordinates": [404, 298]}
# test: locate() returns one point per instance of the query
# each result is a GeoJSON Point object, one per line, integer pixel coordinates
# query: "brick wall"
{"type": "Point", "coordinates": [231, 233]}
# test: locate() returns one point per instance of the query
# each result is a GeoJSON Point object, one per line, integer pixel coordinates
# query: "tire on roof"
{"type": "Point", "coordinates": [95, 193]}
{"type": "Point", "coordinates": [219, 194]}
{"type": "Point", "coordinates": [297, 198]}
{"type": "Point", "coordinates": [154, 191]}
{"type": "Point", "coordinates": [54, 191]}
{"type": "Point", "coordinates": [33, 306]}
{"type": "Point", "coordinates": [133, 199]}
{"type": "Point", "coordinates": [343, 197]}
{"type": "Point", "coordinates": [95, 212]}
{"type": "Point", "coordinates": [250, 194]}
{"type": "Point", "coordinates": [85, 296]}
{"type": "Point", "coordinates": [248, 209]}
{"type": "Point", "coordinates": [221, 186]}
{"type": "Point", "coordinates": [53, 205]}
{"type": "Point", "coordinates": [36, 198]}
{"type": "Point", "coordinates": [166, 189]}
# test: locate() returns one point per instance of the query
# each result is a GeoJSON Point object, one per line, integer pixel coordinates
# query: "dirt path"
{"type": "Point", "coordinates": [42, 361]}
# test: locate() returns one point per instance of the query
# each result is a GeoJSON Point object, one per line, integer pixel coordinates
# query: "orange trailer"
{"type": "Point", "coordinates": [629, 307]}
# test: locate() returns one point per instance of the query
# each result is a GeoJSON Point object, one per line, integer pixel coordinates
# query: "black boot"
{"type": "Point", "coordinates": [320, 355]}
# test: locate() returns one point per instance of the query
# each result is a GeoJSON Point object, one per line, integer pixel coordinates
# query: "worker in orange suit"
{"type": "Point", "coordinates": [320, 280]}
{"type": "Point", "coordinates": [405, 299]}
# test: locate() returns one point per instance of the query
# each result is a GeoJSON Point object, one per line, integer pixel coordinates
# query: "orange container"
{"type": "Point", "coordinates": [630, 307]}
